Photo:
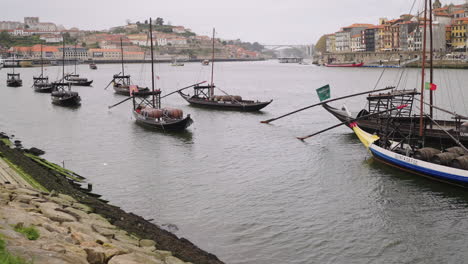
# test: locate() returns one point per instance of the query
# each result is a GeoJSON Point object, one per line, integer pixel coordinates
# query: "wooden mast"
{"type": "Point", "coordinates": [431, 65]}
{"type": "Point", "coordinates": [421, 117]}
{"type": "Point", "coordinates": [121, 56]}
{"type": "Point", "coordinates": [212, 65]}
{"type": "Point", "coordinates": [76, 57]}
{"type": "Point", "coordinates": [63, 60]}
{"type": "Point", "coordinates": [152, 64]}
{"type": "Point", "coordinates": [42, 64]}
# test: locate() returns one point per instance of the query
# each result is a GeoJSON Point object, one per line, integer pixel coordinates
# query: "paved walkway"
{"type": "Point", "coordinates": [7, 174]}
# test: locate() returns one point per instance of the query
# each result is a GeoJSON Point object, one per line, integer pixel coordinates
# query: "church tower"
{"type": "Point", "coordinates": [436, 4]}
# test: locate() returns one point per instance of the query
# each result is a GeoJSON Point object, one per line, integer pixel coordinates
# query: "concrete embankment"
{"type": "Point", "coordinates": [74, 225]}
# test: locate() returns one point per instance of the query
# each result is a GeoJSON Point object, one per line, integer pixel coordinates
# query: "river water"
{"type": "Point", "coordinates": [249, 192]}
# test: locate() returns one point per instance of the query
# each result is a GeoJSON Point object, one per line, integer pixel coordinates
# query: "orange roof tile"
{"type": "Point", "coordinates": [37, 48]}
{"type": "Point", "coordinates": [359, 25]}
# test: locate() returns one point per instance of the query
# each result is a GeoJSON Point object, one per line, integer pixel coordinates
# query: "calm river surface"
{"type": "Point", "coordinates": [245, 191]}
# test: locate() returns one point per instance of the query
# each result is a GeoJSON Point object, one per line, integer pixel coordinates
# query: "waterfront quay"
{"type": "Point", "coordinates": [397, 58]}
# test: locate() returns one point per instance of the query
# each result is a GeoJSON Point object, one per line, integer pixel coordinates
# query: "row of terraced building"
{"type": "Point", "coordinates": [406, 33]}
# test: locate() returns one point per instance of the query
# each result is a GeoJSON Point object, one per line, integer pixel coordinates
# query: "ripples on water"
{"type": "Point", "coordinates": [248, 192]}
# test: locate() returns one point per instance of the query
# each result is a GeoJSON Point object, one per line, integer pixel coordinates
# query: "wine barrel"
{"type": "Point", "coordinates": [425, 154]}
{"type": "Point", "coordinates": [444, 158]}
{"type": "Point", "coordinates": [460, 162]}
{"type": "Point", "coordinates": [152, 112]}
{"type": "Point", "coordinates": [173, 112]}
{"type": "Point", "coordinates": [458, 150]}
{"type": "Point", "coordinates": [464, 127]}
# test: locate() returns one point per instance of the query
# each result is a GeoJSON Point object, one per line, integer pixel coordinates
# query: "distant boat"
{"type": "Point", "coordinates": [121, 82]}
{"type": "Point", "coordinates": [204, 96]}
{"type": "Point", "coordinates": [344, 64]}
{"type": "Point", "coordinates": [41, 83]}
{"type": "Point", "coordinates": [75, 79]}
{"type": "Point", "coordinates": [205, 62]}
{"type": "Point", "coordinates": [176, 63]}
{"type": "Point", "coordinates": [14, 79]}
{"type": "Point", "coordinates": [93, 66]}
{"type": "Point", "coordinates": [62, 94]}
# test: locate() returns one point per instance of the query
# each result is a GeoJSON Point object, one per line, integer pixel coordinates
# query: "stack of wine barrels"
{"type": "Point", "coordinates": [152, 112]}
{"type": "Point", "coordinates": [455, 157]}
{"type": "Point", "coordinates": [227, 98]}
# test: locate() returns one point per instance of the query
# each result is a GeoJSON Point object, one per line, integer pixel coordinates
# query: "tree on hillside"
{"type": "Point", "coordinates": [321, 45]}
{"type": "Point", "coordinates": [128, 21]}
{"type": "Point", "coordinates": [146, 22]}
{"type": "Point", "coordinates": [159, 21]}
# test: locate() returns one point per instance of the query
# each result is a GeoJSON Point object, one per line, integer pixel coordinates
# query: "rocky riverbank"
{"type": "Point", "coordinates": [76, 226]}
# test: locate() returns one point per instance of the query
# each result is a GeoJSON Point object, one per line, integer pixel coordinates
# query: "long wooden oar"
{"type": "Point", "coordinates": [183, 89]}
{"type": "Point", "coordinates": [120, 102]}
{"type": "Point", "coordinates": [324, 102]}
{"type": "Point", "coordinates": [111, 82]}
{"type": "Point", "coordinates": [352, 120]}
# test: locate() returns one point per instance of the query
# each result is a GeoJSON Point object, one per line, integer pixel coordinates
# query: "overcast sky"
{"type": "Point", "coordinates": [265, 21]}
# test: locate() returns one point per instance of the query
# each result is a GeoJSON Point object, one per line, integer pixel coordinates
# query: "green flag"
{"type": "Point", "coordinates": [324, 92]}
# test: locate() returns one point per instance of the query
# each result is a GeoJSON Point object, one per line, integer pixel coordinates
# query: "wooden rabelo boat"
{"type": "Point", "coordinates": [74, 78]}
{"type": "Point", "coordinates": [14, 79]}
{"type": "Point", "coordinates": [405, 120]}
{"type": "Point", "coordinates": [61, 93]}
{"type": "Point", "coordinates": [204, 96]}
{"type": "Point", "coordinates": [41, 83]}
{"type": "Point", "coordinates": [121, 82]}
{"type": "Point", "coordinates": [147, 108]}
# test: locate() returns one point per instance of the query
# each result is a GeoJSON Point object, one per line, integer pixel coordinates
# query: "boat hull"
{"type": "Point", "coordinates": [245, 106]}
{"type": "Point", "coordinates": [125, 90]}
{"type": "Point", "coordinates": [375, 124]}
{"type": "Point", "coordinates": [434, 171]}
{"type": "Point", "coordinates": [43, 88]}
{"type": "Point", "coordinates": [74, 100]}
{"type": "Point", "coordinates": [14, 83]}
{"type": "Point", "coordinates": [86, 83]}
{"type": "Point", "coordinates": [346, 65]}
{"type": "Point", "coordinates": [163, 124]}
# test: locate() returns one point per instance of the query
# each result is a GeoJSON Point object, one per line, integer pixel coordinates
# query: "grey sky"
{"type": "Point", "coordinates": [265, 21]}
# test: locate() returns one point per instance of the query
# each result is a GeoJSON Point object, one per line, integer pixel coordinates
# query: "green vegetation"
{"type": "Point", "coordinates": [7, 258]}
{"type": "Point", "coordinates": [321, 45]}
{"type": "Point", "coordinates": [159, 21]}
{"type": "Point", "coordinates": [28, 178]}
{"type": "Point", "coordinates": [246, 45]}
{"type": "Point", "coordinates": [7, 40]}
{"type": "Point", "coordinates": [29, 232]}
{"type": "Point", "coordinates": [52, 166]}
{"type": "Point", "coordinates": [6, 141]}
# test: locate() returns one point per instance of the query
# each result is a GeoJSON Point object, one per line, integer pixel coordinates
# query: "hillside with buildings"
{"type": "Point", "coordinates": [24, 39]}
{"type": "Point", "coordinates": [400, 38]}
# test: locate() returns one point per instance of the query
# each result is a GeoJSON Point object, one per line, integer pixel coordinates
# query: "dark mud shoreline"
{"type": "Point", "coordinates": [134, 224]}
